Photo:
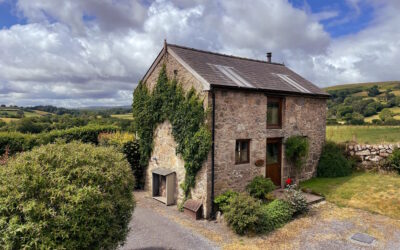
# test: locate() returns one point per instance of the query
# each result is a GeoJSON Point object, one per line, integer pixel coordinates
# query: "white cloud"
{"type": "Point", "coordinates": [79, 53]}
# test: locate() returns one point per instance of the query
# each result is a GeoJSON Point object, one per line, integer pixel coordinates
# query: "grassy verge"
{"type": "Point", "coordinates": [363, 134]}
{"type": "Point", "coordinates": [379, 193]}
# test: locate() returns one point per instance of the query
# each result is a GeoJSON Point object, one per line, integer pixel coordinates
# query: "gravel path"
{"type": "Point", "coordinates": [150, 230]}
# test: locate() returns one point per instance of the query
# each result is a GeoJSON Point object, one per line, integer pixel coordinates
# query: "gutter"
{"type": "Point", "coordinates": [212, 152]}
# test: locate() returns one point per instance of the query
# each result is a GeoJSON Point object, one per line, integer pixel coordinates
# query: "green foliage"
{"type": "Point", "coordinates": [19, 142]}
{"type": "Point", "coordinates": [296, 150]}
{"type": "Point", "coordinates": [373, 91]}
{"type": "Point", "coordinates": [246, 214]}
{"type": "Point", "coordinates": [259, 187]}
{"type": "Point", "coordinates": [243, 214]}
{"type": "Point", "coordinates": [385, 114]}
{"type": "Point", "coordinates": [65, 196]}
{"type": "Point", "coordinates": [223, 200]}
{"type": "Point", "coordinates": [333, 162]}
{"type": "Point", "coordinates": [296, 200]}
{"type": "Point", "coordinates": [186, 114]}
{"type": "Point", "coordinates": [356, 119]}
{"type": "Point", "coordinates": [394, 160]}
{"type": "Point", "coordinates": [129, 146]}
{"type": "Point", "coordinates": [274, 215]}
{"type": "Point", "coordinates": [131, 151]}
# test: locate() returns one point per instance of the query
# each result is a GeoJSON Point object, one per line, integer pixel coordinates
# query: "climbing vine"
{"type": "Point", "coordinates": [185, 112]}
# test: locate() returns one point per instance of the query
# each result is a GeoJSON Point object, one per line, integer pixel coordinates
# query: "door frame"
{"type": "Point", "coordinates": [275, 140]}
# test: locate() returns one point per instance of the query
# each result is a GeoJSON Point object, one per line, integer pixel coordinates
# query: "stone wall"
{"type": "Point", "coordinates": [242, 115]}
{"type": "Point", "coordinates": [164, 156]}
{"type": "Point", "coordinates": [165, 145]}
{"type": "Point", "coordinates": [371, 155]}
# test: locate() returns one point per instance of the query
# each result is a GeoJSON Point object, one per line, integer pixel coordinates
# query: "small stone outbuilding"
{"type": "Point", "coordinates": [254, 107]}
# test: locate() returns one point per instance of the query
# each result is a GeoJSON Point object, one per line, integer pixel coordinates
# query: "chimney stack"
{"type": "Point", "coordinates": [269, 56]}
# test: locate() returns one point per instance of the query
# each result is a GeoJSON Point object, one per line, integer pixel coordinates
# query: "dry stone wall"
{"type": "Point", "coordinates": [371, 155]}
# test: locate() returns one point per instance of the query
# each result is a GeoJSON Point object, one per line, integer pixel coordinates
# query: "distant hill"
{"type": "Point", "coordinates": [364, 102]}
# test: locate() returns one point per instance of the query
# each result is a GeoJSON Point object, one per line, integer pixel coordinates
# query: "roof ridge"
{"type": "Point", "coordinates": [221, 54]}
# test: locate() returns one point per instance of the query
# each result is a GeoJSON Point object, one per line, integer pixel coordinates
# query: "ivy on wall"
{"type": "Point", "coordinates": [186, 114]}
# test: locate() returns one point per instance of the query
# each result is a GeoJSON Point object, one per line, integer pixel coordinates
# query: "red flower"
{"type": "Point", "coordinates": [289, 181]}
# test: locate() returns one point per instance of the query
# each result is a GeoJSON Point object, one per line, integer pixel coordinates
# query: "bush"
{"type": "Point", "coordinates": [394, 160]}
{"type": "Point", "coordinates": [222, 201]}
{"type": "Point", "coordinates": [259, 187]}
{"type": "Point", "coordinates": [243, 214]}
{"type": "Point", "coordinates": [132, 153]}
{"type": "Point", "coordinates": [19, 142]}
{"type": "Point", "coordinates": [65, 196]}
{"type": "Point", "coordinates": [274, 215]}
{"type": "Point", "coordinates": [296, 200]}
{"type": "Point", "coordinates": [333, 162]}
{"type": "Point", "coordinates": [296, 150]}
{"type": "Point", "coordinates": [129, 146]}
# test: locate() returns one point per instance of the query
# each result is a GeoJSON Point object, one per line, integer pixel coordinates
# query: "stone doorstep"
{"type": "Point", "coordinates": [310, 198]}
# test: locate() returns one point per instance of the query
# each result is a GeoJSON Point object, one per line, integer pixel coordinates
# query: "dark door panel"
{"type": "Point", "coordinates": [273, 160]}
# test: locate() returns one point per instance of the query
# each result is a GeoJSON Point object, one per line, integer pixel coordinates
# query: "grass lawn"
{"type": "Point", "coordinates": [124, 116]}
{"type": "Point", "coordinates": [363, 134]}
{"type": "Point", "coordinates": [379, 193]}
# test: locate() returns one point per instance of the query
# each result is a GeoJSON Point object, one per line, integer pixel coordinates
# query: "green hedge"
{"type": "Point", "coordinates": [333, 161]}
{"type": "Point", "coordinates": [18, 142]}
{"type": "Point", "coordinates": [65, 196]}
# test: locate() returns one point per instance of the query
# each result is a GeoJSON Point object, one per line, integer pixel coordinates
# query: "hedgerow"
{"type": "Point", "coordinates": [19, 142]}
{"type": "Point", "coordinates": [65, 196]}
{"type": "Point", "coordinates": [127, 144]}
{"type": "Point", "coordinates": [185, 112]}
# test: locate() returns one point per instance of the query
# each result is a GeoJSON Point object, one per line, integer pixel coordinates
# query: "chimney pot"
{"type": "Point", "coordinates": [269, 56]}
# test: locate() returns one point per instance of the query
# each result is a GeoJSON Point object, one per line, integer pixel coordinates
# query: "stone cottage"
{"type": "Point", "coordinates": [254, 106]}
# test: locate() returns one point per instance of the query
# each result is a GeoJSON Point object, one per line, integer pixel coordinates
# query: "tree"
{"type": "Point", "coordinates": [373, 91]}
{"type": "Point", "coordinates": [343, 110]}
{"type": "Point", "coordinates": [385, 114]}
{"type": "Point", "coordinates": [356, 119]}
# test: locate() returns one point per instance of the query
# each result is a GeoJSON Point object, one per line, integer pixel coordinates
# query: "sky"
{"type": "Point", "coordinates": [75, 53]}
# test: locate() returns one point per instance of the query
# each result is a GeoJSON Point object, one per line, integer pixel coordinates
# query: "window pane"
{"type": "Point", "coordinates": [244, 151]}
{"type": "Point", "coordinates": [241, 151]}
{"type": "Point", "coordinates": [237, 151]}
{"type": "Point", "coordinates": [273, 113]}
{"type": "Point", "coordinates": [272, 153]}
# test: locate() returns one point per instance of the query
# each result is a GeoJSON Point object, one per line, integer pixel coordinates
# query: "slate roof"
{"type": "Point", "coordinates": [220, 70]}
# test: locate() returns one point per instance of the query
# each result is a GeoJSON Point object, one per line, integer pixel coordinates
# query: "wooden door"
{"type": "Point", "coordinates": [273, 160]}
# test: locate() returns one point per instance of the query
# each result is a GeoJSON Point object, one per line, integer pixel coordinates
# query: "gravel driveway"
{"type": "Point", "coordinates": [326, 226]}
{"type": "Point", "coordinates": [151, 230]}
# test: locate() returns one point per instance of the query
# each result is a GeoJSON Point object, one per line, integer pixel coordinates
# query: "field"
{"type": "Point", "coordinates": [373, 192]}
{"type": "Point", "coordinates": [382, 85]}
{"type": "Point", "coordinates": [10, 114]}
{"type": "Point", "coordinates": [123, 116]}
{"type": "Point", "coordinates": [363, 134]}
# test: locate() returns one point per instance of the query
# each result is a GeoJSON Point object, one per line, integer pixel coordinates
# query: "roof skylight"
{"type": "Point", "coordinates": [232, 75]}
{"type": "Point", "coordinates": [293, 83]}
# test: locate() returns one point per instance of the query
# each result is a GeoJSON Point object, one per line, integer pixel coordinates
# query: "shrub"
{"type": "Point", "coordinates": [132, 154]}
{"type": "Point", "coordinates": [65, 196]}
{"type": "Point", "coordinates": [243, 214]}
{"type": "Point", "coordinates": [117, 139]}
{"type": "Point", "coordinates": [129, 146]}
{"type": "Point", "coordinates": [19, 142]}
{"type": "Point", "coordinates": [333, 162]}
{"type": "Point", "coordinates": [222, 201]}
{"type": "Point", "coordinates": [274, 215]}
{"type": "Point", "coordinates": [259, 187]}
{"type": "Point", "coordinates": [394, 160]}
{"type": "Point", "coordinates": [296, 150]}
{"type": "Point", "coordinates": [296, 199]}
